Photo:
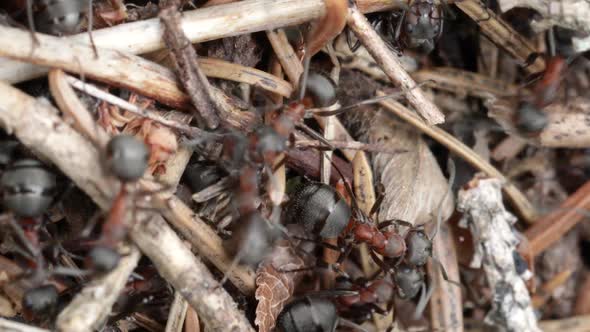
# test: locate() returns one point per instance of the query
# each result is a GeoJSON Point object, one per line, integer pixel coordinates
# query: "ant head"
{"type": "Point", "coordinates": [102, 259]}
{"type": "Point", "coordinates": [40, 301]}
{"type": "Point", "coordinates": [529, 119]}
{"type": "Point", "coordinates": [419, 248]}
{"type": "Point", "coordinates": [61, 17]}
{"type": "Point", "coordinates": [409, 280]}
{"type": "Point", "coordinates": [127, 157]}
{"type": "Point", "coordinates": [395, 245]}
{"type": "Point", "coordinates": [27, 188]}
{"type": "Point", "coordinates": [383, 289]}
{"type": "Point", "coordinates": [252, 239]}
{"type": "Point", "coordinates": [321, 89]}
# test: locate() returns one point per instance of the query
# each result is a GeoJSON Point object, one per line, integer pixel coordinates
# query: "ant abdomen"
{"type": "Point", "coordinates": [127, 157]}
{"type": "Point", "coordinates": [40, 301]}
{"type": "Point", "coordinates": [252, 239]}
{"type": "Point", "coordinates": [409, 281]}
{"type": "Point", "coordinates": [309, 313]}
{"type": "Point", "coordinates": [102, 259]}
{"type": "Point", "coordinates": [321, 89]}
{"type": "Point", "coordinates": [319, 209]}
{"type": "Point", "coordinates": [27, 188]}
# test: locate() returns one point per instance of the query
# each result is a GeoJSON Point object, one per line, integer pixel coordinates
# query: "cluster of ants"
{"type": "Point", "coordinates": [29, 189]}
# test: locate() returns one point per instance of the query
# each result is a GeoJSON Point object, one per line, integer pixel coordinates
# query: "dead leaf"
{"type": "Point", "coordinates": [414, 183]}
{"type": "Point", "coordinates": [274, 287]}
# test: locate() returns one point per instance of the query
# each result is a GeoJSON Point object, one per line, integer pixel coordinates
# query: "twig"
{"type": "Point", "coordinates": [92, 90]}
{"type": "Point", "coordinates": [327, 27]}
{"type": "Point", "coordinates": [12, 326]}
{"type": "Point", "coordinates": [446, 304]}
{"type": "Point", "coordinates": [551, 228]}
{"type": "Point", "coordinates": [544, 294]}
{"type": "Point", "coordinates": [91, 307]}
{"type": "Point", "coordinates": [191, 323]}
{"type": "Point", "coordinates": [184, 57]}
{"type": "Point", "coordinates": [392, 67]}
{"type": "Point", "coordinates": [501, 33]}
{"type": "Point", "coordinates": [494, 243]}
{"type": "Point", "coordinates": [38, 127]}
{"type": "Point", "coordinates": [177, 314]}
{"type": "Point", "coordinates": [572, 324]}
{"type": "Point", "coordinates": [347, 145]}
{"type": "Point", "coordinates": [113, 67]}
{"type": "Point", "coordinates": [199, 25]}
{"type": "Point", "coordinates": [519, 200]}
{"type": "Point", "coordinates": [286, 55]}
{"type": "Point", "coordinates": [189, 276]}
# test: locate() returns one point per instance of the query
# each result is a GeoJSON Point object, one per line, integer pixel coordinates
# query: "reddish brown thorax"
{"type": "Point", "coordinates": [547, 88]}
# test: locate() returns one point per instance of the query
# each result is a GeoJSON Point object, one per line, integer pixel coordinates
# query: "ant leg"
{"type": "Point", "coordinates": [349, 324]}
{"type": "Point", "coordinates": [443, 271]}
{"type": "Point", "coordinates": [90, 19]}
{"type": "Point", "coordinates": [32, 24]}
{"type": "Point", "coordinates": [353, 47]}
{"type": "Point", "coordinates": [447, 10]}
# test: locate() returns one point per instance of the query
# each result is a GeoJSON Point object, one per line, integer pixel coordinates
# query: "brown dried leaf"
{"type": "Point", "coordinates": [273, 287]}
{"type": "Point", "coordinates": [414, 183]}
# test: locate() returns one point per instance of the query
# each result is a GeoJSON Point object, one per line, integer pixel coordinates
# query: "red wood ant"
{"type": "Point", "coordinates": [127, 159]}
{"type": "Point", "coordinates": [418, 27]}
{"type": "Point", "coordinates": [369, 294]}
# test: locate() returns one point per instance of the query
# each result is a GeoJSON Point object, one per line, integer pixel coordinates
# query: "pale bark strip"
{"type": "Point", "coordinates": [495, 242]}
{"type": "Point", "coordinates": [391, 65]}
{"type": "Point", "coordinates": [199, 25]}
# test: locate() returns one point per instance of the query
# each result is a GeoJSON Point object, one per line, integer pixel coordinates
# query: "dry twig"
{"type": "Point", "coordinates": [185, 58]}
{"type": "Point", "coordinates": [198, 25]}
{"type": "Point", "coordinates": [392, 67]}
{"type": "Point", "coordinates": [501, 33]}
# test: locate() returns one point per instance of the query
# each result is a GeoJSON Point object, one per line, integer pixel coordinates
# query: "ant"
{"type": "Point", "coordinates": [28, 190]}
{"type": "Point", "coordinates": [60, 17]}
{"type": "Point", "coordinates": [420, 26]}
{"type": "Point", "coordinates": [312, 313]}
{"type": "Point", "coordinates": [127, 159]}
{"type": "Point", "coordinates": [368, 295]}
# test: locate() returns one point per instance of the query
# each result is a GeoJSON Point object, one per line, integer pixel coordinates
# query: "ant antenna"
{"type": "Point", "coordinates": [303, 80]}
{"type": "Point", "coordinates": [90, 19]}
{"type": "Point", "coordinates": [31, 22]}
{"type": "Point", "coordinates": [373, 100]}
{"type": "Point", "coordinates": [452, 173]}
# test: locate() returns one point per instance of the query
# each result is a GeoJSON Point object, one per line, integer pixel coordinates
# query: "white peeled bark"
{"type": "Point", "coordinates": [495, 242]}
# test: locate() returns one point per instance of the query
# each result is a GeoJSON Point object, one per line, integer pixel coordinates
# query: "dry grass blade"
{"type": "Point", "coordinates": [414, 183]}
{"type": "Point", "coordinates": [446, 304]}
{"type": "Point", "coordinates": [551, 228]}
{"type": "Point", "coordinates": [258, 78]}
{"type": "Point", "coordinates": [464, 82]}
{"type": "Point", "coordinates": [518, 199]}
{"type": "Point", "coordinates": [191, 323]}
{"type": "Point", "coordinates": [275, 287]}
{"type": "Point", "coordinates": [286, 55]}
{"type": "Point", "coordinates": [116, 68]}
{"type": "Point", "coordinates": [392, 67]}
{"type": "Point", "coordinates": [572, 324]}
{"type": "Point", "coordinates": [198, 25]}
{"type": "Point", "coordinates": [501, 33]}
